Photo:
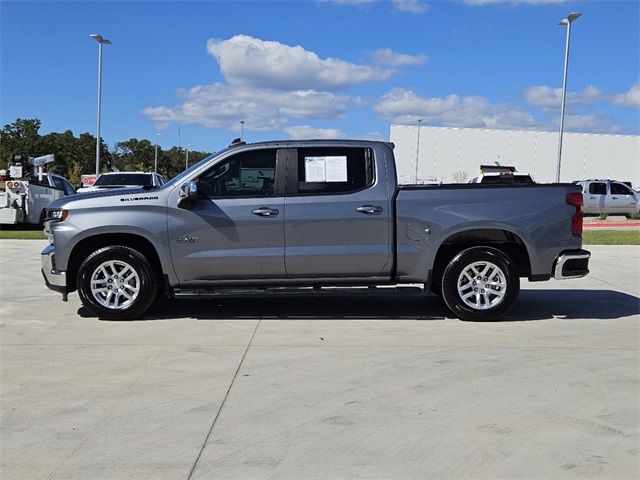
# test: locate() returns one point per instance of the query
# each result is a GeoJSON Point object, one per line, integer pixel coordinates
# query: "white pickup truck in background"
{"type": "Point", "coordinates": [609, 197]}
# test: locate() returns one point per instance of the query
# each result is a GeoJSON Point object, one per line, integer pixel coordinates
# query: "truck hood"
{"type": "Point", "coordinates": [102, 198]}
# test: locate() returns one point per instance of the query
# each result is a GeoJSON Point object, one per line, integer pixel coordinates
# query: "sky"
{"type": "Point", "coordinates": [193, 71]}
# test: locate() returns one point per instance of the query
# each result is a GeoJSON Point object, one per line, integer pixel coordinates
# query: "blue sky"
{"type": "Point", "coordinates": [193, 70]}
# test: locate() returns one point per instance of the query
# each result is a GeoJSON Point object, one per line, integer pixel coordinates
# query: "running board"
{"type": "Point", "coordinates": [191, 293]}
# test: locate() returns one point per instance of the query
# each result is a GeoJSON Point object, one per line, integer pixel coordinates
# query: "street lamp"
{"type": "Point", "coordinates": [567, 21]}
{"type": "Point", "coordinates": [101, 41]}
{"type": "Point", "coordinates": [186, 162]}
{"type": "Point", "coordinates": [418, 148]}
{"type": "Point", "coordinates": [155, 165]}
{"type": "Point", "coordinates": [241, 129]}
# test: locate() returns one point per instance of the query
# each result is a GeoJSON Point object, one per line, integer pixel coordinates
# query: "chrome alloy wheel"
{"type": "Point", "coordinates": [482, 285]}
{"type": "Point", "coordinates": [115, 284]}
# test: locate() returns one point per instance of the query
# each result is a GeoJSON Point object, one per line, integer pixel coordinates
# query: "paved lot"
{"type": "Point", "coordinates": [386, 387]}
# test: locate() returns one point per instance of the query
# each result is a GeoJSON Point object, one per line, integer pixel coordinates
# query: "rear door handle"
{"type": "Point", "coordinates": [369, 209]}
{"type": "Point", "coordinates": [265, 211]}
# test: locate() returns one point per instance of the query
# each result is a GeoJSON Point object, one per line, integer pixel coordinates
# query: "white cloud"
{"type": "Point", "coordinates": [549, 99]}
{"type": "Point", "coordinates": [410, 6]}
{"type": "Point", "coordinates": [348, 2]}
{"type": "Point", "coordinates": [403, 6]}
{"type": "Point", "coordinates": [268, 83]}
{"type": "Point", "coordinates": [513, 2]}
{"type": "Point", "coordinates": [630, 99]}
{"type": "Point", "coordinates": [386, 56]}
{"type": "Point", "coordinates": [405, 107]}
{"type": "Point", "coordinates": [305, 132]}
{"type": "Point", "coordinates": [245, 60]}
{"type": "Point", "coordinates": [223, 106]}
{"type": "Point", "coordinates": [375, 136]}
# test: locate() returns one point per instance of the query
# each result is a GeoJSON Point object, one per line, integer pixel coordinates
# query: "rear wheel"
{"type": "Point", "coordinates": [480, 283]}
{"type": "Point", "coordinates": [117, 283]}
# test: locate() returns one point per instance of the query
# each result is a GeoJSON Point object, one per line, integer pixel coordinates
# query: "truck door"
{"type": "Point", "coordinates": [622, 199]}
{"type": "Point", "coordinates": [338, 214]}
{"type": "Point", "coordinates": [234, 230]}
{"type": "Point", "coordinates": [594, 199]}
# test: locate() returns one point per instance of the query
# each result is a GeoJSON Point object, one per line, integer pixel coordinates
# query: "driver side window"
{"type": "Point", "coordinates": [248, 174]}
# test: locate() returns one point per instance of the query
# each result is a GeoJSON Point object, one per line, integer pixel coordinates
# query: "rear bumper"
{"type": "Point", "coordinates": [55, 280]}
{"type": "Point", "coordinates": [571, 264]}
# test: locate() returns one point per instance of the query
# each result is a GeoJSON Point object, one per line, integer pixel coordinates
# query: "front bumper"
{"type": "Point", "coordinates": [55, 280]}
{"type": "Point", "coordinates": [571, 264]}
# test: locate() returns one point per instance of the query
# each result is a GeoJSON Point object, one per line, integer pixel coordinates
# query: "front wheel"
{"type": "Point", "coordinates": [480, 283]}
{"type": "Point", "coordinates": [117, 283]}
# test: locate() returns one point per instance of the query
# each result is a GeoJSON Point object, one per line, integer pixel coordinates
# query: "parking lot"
{"type": "Point", "coordinates": [389, 386]}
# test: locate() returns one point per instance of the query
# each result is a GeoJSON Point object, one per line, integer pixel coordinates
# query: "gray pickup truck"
{"type": "Point", "coordinates": [306, 215]}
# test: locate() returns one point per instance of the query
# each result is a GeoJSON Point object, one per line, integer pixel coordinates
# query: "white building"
{"type": "Point", "coordinates": [455, 154]}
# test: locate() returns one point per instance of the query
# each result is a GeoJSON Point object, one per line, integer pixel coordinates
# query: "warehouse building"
{"type": "Point", "coordinates": [442, 154]}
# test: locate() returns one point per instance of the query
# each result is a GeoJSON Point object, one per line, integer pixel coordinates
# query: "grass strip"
{"type": "Point", "coordinates": [22, 235]}
{"type": "Point", "coordinates": [611, 237]}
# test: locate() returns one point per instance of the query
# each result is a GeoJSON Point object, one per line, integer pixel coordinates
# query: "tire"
{"type": "Point", "coordinates": [43, 215]}
{"type": "Point", "coordinates": [117, 283]}
{"type": "Point", "coordinates": [480, 284]}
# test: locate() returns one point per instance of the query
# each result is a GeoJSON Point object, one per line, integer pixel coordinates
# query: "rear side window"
{"type": "Point", "coordinates": [332, 170]}
{"type": "Point", "coordinates": [598, 188]}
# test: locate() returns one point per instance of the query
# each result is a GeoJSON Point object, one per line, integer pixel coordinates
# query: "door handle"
{"type": "Point", "coordinates": [265, 211]}
{"type": "Point", "coordinates": [369, 209]}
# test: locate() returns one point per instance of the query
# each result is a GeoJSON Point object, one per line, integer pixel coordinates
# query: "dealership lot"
{"type": "Point", "coordinates": [360, 387]}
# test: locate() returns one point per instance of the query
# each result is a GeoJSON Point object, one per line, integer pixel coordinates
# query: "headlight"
{"type": "Point", "coordinates": [53, 217]}
{"type": "Point", "coordinates": [56, 215]}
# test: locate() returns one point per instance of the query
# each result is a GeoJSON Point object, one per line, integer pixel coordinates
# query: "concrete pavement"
{"type": "Point", "coordinates": [358, 387]}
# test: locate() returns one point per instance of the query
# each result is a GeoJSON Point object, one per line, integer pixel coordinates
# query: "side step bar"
{"type": "Point", "coordinates": [191, 293]}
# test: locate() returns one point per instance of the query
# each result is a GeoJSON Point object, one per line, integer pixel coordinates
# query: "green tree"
{"type": "Point", "coordinates": [19, 137]}
{"type": "Point", "coordinates": [134, 155]}
{"type": "Point", "coordinates": [76, 156]}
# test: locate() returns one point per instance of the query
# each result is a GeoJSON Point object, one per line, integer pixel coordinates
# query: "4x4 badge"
{"type": "Point", "coordinates": [187, 239]}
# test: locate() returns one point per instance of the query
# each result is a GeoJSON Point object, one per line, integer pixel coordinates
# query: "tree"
{"type": "Point", "coordinates": [134, 154]}
{"type": "Point", "coordinates": [76, 156]}
{"type": "Point", "coordinates": [19, 137]}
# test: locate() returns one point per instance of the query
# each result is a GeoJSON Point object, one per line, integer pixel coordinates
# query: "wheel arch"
{"type": "Point", "coordinates": [90, 244]}
{"type": "Point", "coordinates": [504, 240]}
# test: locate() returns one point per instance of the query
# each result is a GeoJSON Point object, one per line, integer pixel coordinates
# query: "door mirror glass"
{"type": "Point", "coordinates": [188, 193]}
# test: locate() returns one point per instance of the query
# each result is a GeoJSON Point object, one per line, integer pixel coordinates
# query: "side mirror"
{"type": "Point", "coordinates": [188, 193]}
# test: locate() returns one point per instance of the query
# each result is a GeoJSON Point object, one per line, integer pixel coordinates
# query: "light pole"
{"type": "Point", "coordinates": [101, 41]}
{"type": "Point", "coordinates": [186, 162]}
{"type": "Point", "coordinates": [567, 21]}
{"type": "Point", "coordinates": [241, 129]}
{"type": "Point", "coordinates": [155, 165]}
{"type": "Point", "coordinates": [418, 149]}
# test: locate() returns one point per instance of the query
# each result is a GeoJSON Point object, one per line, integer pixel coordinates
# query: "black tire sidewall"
{"type": "Point", "coordinates": [148, 283]}
{"type": "Point", "coordinates": [460, 262]}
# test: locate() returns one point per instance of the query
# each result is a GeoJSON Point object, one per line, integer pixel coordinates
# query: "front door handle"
{"type": "Point", "coordinates": [369, 209]}
{"type": "Point", "coordinates": [265, 211]}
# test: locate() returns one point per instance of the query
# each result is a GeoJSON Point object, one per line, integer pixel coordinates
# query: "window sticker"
{"type": "Point", "coordinates": [314, 169]}
{"type": "Point", "coordinates": [325, 169]}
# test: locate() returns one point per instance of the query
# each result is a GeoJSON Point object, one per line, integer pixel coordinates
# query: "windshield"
{"type": "Point", "coordinates": [124, 179]}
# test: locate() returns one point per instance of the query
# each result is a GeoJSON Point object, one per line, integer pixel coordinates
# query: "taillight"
{"type": "Point", "coordinates": [575, 199]}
